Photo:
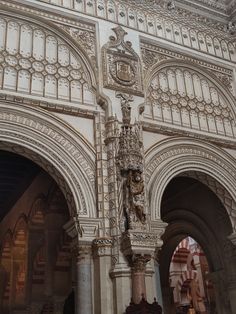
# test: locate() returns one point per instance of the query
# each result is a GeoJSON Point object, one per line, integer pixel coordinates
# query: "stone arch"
{"type": "Point", "coordinates": [186, 276]}
{"type": "Point", "coordinates": [57, 148]}
{"type": "Point", "coordinates": [47, 70]}
{"type": "Point", "coordinates": [37, 212]}
{"type": "Point", "coordinates": [182, 94]}
{"type": "Point", "coordinates": [174, 156]}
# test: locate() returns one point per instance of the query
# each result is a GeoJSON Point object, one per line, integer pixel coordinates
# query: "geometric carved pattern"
{"type": "Point", "coordinates": [81, 154]}
{"type": "Point", "coordinates": [35, 61]}
{"type": "Point", "coordinates": [176, 156]}
{"type": "Point", "coordinates": [184, 97]}
{"type": "Point", "coordinates": [189, 31]}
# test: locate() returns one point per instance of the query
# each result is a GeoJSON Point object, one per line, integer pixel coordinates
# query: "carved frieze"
{"type": "Point", "coordinates": [85, 36]}
{"type": "Point", "coordinates": [153, 55]}
{"type": "Point", "coordinates": [181, 93]}
{"type": "Point", "coordinates": [184, 27]}
{"type": "Point", "coordinates": [121, 65]}
{"type": "Point", "coordinates": [40, 63]}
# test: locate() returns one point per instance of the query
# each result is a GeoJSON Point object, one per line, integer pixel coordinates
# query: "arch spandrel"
{"type": "Point", "coordinates": [40, 59]}
{"type": "Point", "coordinates": [182, 95]}
{"type": "Point", "coordinates": [175, 156]}
{"type": "Point", "coordinates": [57, 148]}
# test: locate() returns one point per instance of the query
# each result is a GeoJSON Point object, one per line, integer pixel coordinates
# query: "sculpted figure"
{"type": "Point", "coordinates": [135, 190]}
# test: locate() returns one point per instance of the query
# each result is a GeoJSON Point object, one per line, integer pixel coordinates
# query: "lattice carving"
{"type": "Point", "coordinates": [184, 97]}
{"type": "Point", "coordinates": [37, 62]}
{"type": "Point", "coordinates": [189, 29]}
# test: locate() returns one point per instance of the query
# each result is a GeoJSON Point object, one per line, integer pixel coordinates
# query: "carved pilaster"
{"type": "Point", "coordinates": [83, 253]}
{"type": "Point", "coordinates": [102, 282]}
{"type": "Point", "coordinates": [102, 247]}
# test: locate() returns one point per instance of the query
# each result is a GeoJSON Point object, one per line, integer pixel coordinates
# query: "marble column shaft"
{"type": "Point", "coordinates": [138, 269]}
{"type": "Point", "coordinates": [84, 286]}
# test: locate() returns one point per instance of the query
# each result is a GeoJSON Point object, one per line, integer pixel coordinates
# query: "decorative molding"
{"type": "Point", "coordinates": [49, 105]}
{"type": "Point", "coordinates": [102, 246]}
{"type": "Point", "coordinates": [121, 64]}
{"type": "Point", "coordinates": [85, 36]}
{"type": "Point", "coordinates": [186, 96]}
{"type": "Point", "coordinates": [57, 38]}
{"type": "Point", "coordinates": [48, 141]}
{"type": "Point", "coordinates": [177, 155]}
{"type": "Point", "coordinates": [180, 26]}
{"type": "Point", "coordinates": [219, 190]}
{"type": "Point", "coordinates": [152, 55]}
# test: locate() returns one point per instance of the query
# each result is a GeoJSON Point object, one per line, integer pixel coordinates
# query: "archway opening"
{"type": "Point", "coordinates": [35, 251]}
{"type": "Point", "coordinates": [189, 279]}
{"type": "Point", "coordinates": [193, 211]}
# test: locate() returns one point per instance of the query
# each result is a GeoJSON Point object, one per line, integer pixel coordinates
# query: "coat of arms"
{"type": "Point", "coordinates": [121, 65]}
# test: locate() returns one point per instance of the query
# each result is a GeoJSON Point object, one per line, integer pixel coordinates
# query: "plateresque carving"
{"type": "Point", "coordinates": [121, 65]}
{"type": "Point", "coordinates": [130, 164]}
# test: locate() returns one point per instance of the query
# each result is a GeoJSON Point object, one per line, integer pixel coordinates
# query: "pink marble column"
{"type": "Point", "coordinates": [138, 268]}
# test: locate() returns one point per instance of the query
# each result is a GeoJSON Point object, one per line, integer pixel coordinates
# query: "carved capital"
{"type": "Point", "coordinates": [138, 263]}
{"type": "Point", "coordinates": [102, 247]}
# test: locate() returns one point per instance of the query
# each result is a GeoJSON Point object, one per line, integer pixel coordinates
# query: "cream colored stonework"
{"type": "Point", "coordinates": [115, 100]}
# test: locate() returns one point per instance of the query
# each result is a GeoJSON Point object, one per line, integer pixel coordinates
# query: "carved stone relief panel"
{"type": "Point", "coordinates": [185, 97]}
{"type": "Point", "coordinates": [153, 55]}
{"type": "Point", "coordinates": [84, 34]}
{"type": "Point", "coordinates": [121, 64]}
{"type": "Point", "coordinates": [185, 28]}
{"type": "Point", "coordinates": [37, 62]}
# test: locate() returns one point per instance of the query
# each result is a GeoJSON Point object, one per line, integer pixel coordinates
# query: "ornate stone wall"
{"type": "Point", "coordinates": [116, 69]}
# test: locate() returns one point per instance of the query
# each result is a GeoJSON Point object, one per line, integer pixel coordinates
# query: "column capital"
{"type": "Point", "coordinates": [102, 246]}
{"type": "Point", "coordinates": [138, 263]}
{"type": "Point", "coordinates": [82, 250]}
{"type": "Point", "coordinates": [139, 243]}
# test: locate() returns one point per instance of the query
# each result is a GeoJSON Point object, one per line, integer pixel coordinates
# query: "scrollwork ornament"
{"type": "Point", "coordinates": [122, 69]}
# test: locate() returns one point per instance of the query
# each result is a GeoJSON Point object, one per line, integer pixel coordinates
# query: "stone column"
{"type": "Point", "coordinates": [138, 270]}
{"type": "Point", "coordinates": [121, 276]}
{"type": "Point", "coordinates": [138, 248]}
{"type": "Point", "coordinates": [158, 283]}
{"type": "Point", "coordinates": [102, 281]}
{"type": "Point", "coordinates": [83, 297]}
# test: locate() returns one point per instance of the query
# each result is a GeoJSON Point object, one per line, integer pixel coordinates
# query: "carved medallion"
{"type": "Point", "coordinates": [121, 64]}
